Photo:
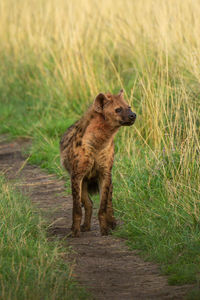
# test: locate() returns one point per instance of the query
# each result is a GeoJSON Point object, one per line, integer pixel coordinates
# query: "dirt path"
{"type": "Point", "coordinates": [102, 264]}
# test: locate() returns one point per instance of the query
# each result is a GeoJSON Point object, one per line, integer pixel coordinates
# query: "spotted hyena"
{"type": "Point", "coordinates": [87, 152]}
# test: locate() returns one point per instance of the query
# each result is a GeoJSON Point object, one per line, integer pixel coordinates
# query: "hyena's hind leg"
{"type": "Point", "coordinates": [87, 203]}
{"type": "Point", "coordinates": [76, 183]}
{"type": "Point", "coordinates": [111, 222]}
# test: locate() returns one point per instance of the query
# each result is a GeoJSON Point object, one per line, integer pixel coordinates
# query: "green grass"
{"type": "Point", "coordinates": [31, 267]}
{"type": "Point", "coordinates": [54, 62]}
{"type": "Point", "coordinates": [157, 221]}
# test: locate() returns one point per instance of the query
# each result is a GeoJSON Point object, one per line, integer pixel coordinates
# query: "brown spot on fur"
{"type": "Point", "coordinates": [79, 143]}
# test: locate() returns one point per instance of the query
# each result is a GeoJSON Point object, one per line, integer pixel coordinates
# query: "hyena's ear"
{"type": "Point", "coordinates": [99, 102]}
{"type": "Point", "coordinates": [121, 92]}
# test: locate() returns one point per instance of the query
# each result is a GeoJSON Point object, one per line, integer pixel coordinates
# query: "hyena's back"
{"type": "Point", "coordinates": [66, 142]}
{"type": "Point", "coordinates": [70, 142]}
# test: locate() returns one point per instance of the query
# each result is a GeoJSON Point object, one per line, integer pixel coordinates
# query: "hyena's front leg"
{"type": "Point", "coordinates": [105, 182]}
{"type": "Point", "coordinates": [111, 222]}
{"type": "Point", "coordinates": [76, 183]}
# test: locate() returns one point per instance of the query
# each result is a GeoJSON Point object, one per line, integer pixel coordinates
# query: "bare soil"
{"type": "Point", "coordinates": [103, 265]}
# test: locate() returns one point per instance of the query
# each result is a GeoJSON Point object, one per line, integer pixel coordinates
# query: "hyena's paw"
{"type": "Point", "coordinates": [112, 223]}
{"type": "Point", "coordinates": [85, 227]}
{"type": "Point", "coordinates": [104, 230]}
{"type": "Point", "coordinates": [75, 231]}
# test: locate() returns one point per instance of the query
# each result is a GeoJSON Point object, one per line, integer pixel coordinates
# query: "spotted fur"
{"type": "Point", "coordinates": [87, 153]}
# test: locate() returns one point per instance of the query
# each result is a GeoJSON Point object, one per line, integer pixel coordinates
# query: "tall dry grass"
{"type": "Point", "coordinates": [151, 45]}
{"type": "Point", "coordinates": [150, 48]}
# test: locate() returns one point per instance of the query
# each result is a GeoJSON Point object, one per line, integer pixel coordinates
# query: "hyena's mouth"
{"type": "Point", "coordinates": [129, 123]}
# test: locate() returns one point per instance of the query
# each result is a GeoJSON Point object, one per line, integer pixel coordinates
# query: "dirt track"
{"type": "Point", "coordinates": [104, 265]}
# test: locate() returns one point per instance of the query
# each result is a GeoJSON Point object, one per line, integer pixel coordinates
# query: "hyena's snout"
{"type": "Point", "coordinates": [128, 118]}
{"type": "Point", "coordinates": [132, 116]}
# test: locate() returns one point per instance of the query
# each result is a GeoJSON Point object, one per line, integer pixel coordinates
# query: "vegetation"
{"type": "Point", "coordinates": [31, 267]}
{"type": "Point", "coordinates": [57, 55]}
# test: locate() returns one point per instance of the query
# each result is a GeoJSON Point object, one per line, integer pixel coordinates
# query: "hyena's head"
{"type": "Point", "coordinates": [114, 109]}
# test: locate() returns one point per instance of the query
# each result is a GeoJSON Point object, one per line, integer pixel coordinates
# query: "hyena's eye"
{"type": "Point", "coordinates": [118, 110]}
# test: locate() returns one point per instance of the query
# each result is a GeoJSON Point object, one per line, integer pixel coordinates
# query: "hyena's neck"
{"type": "Point", "coordinates": [99, 133]}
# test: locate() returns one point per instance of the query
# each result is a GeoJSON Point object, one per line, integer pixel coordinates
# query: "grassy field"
{"type": "Point", "coordinates": [56, 55]}
{"type": "Point", "coordinates": [31, 267]}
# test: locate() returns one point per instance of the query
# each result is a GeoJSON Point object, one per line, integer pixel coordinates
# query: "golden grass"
{"type": "Point", "coordinates": [148, 47]}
